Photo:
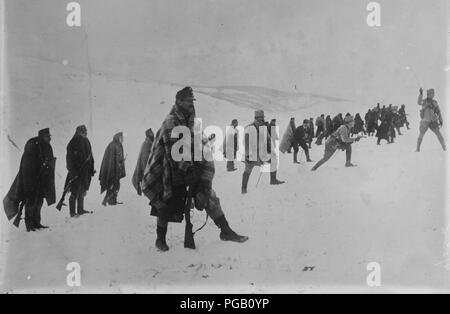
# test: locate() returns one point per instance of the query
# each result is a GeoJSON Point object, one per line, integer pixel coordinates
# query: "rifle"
{"type": "Point", "coordinates": [188, 234]}
{"type": "Point", "coordinates": [19, 215]}
{"type": "Point", "coordinates": [69, 185]}
{"type": "Point", "coordinates": [189, 242]}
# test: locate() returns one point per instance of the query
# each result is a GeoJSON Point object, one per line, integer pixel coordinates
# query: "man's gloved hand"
{"type": "Point", "coordinates": [201, 200]}
{"type": "Point", "coordinates": [421, 91]}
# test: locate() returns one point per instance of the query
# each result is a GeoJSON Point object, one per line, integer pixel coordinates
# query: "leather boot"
{"type": "Point", "coordinates": [80, 206]}
{"type": "Point", "coordinates": [295, 157]}
{"type": "Point", "coordinates": [419, 142]}
{"type": "Point", "coordinates": [161, 239]}
{"type": "Point", "coordinates": [72, 202]}
{"type": "Point", "coordinates": [245, 178]}
{"type": "Point", "coordinates": [307, 156]}
{"type": "Point", "coordinates": [29, 225]}
{"type": "Point", "coordinates": [274, 180]}
{"type": "Point", "coordinates": [116, 202]}
{"type": "Point", "coordinates": [226, 233]}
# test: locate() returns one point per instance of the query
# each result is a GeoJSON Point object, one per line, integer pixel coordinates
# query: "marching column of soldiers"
{"type": "Point", "coordinates": [175, 187]}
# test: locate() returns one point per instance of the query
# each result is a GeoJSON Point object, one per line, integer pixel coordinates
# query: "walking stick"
{"type": "Point", "coordinates": [260, 174]}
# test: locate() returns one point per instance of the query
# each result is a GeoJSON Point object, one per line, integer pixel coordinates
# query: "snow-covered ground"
{"type": "Point", "coordinates": [389, 210]}
{"type": "Point", "coordinates": [316, 233]}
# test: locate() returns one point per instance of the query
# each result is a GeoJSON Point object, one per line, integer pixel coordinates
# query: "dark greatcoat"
{"type": "Point", "coordinates": [36, 176]}
{"type": "Point", "coordinates": [359, 125]}
{"type": "Point", "coordinates": [337, 122]}
{"type": "Point", "coordinates": [79, 163]}
{"type": "Point", "coordinates": [383, 130]}
{"type": "Point", "coordinates": [328, 126]}
{"type": "Point", "coordinates": [113, 165]}
{"type": "Point", "coordinates": [144, 154]}
{"type": "Point", "coordinates": [300, 138]}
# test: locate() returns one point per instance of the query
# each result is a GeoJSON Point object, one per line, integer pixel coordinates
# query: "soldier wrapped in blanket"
{"type": "Point", "coordinates": [112, 170]}
{"type": "Point", "coordinates": [166, 181]}
{"type": "Point", "coordinates": [371, 122]}
{"type": "Point", "coordinates": [144, 153]}
{"type": "Point", "coordinates": [34, 182]}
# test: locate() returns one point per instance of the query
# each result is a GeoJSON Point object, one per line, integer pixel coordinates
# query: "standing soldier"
{"type": "Point", "coordinates": [253, 154]}
{"type": "Point", "coordinates": [320, 134]}
{"type": "Point", "coordinates": [300, 138]}
{"type": "Point", "coordinates": [431, 117]}
{"type": "Point", "coordinates": [289, 133]}
{"type": "Point", "coordinates": [371, 122]}
{"type": "Point", "coordinates": [383, 132]}
{"type": "Point", "coordinates": [80, 164]}
{"type": "Point", "coordinates": [359, 125]}
{"type": "Point", "coordinates": [171, 185]}
{"type": "Point", "coordinates": [403, 118]}
{"type": "Point", "coordinates": [340, 140]}
{"type": "Point", "coordinates": [328, 127]}
{"type": "Point", "coordinates": [231, 145]}
{"type": "Point", "coordinates": [34, 182]}
{"type": "Point", "coordinates": [112, 170]}
{"type": "Point", "coordinates": [311, 132]}
{"type": "Point", "coordinates": [337, 122]}
{"type": "Point", "coordinates": [288, 136]}
{"type": "Point", "coordinates": [144, 153]}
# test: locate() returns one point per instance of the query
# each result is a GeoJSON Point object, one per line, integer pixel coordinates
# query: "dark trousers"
{"type": "Point", "coordinates": [230, 165]}
{"type": "Point", "coordinates": [331, 146]}
{"type": "Point", "coordinates": [320, 130]}
{"type": "Point", "coordinates": [33, 207]}
{"type": "Point", "coordinates": [76, 200]}
{"type": "Point", "coordinates": [305, 148]}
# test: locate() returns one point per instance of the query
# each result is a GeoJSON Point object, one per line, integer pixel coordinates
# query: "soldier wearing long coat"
{"type": "Point", "coordinates": [112, 170]}
{"type": "Point", "coordinates": [80, 166]}
{"type": "Point", "coordinates": [34, 182]}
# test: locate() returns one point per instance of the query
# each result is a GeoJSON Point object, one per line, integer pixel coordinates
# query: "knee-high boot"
{"type": "Point", "coordinates": [245, 178]}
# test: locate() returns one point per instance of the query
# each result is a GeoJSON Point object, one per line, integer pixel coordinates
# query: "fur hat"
{"type": "Point", "coordinates": [44, 132]}
{"type": "Point", "coordinates": [185, 93]}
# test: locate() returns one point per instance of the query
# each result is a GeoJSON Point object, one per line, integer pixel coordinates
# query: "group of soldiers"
{"type": "Point", "coordinates": [174, 187]}
{"type": "Point", "coordinates": [35, 180]}
{"type": "Point", "coordinates": [338, 133]}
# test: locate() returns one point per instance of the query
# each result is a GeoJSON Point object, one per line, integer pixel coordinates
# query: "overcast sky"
{"type": "Point", "coordinates": [322, 46]}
